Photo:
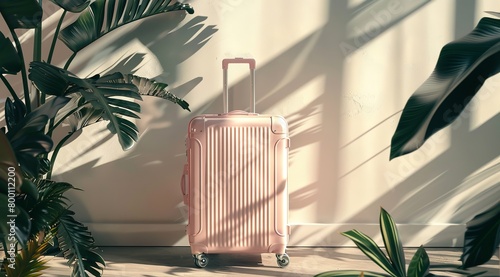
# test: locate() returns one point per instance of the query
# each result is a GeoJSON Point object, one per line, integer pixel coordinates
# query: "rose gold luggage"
{"type": "Point", "coordinates": [235, 181]}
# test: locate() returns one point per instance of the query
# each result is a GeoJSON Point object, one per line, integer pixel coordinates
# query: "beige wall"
{"type": "Point", "coordinates": [340, 72]}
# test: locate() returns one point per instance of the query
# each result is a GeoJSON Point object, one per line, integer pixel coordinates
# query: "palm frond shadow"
{"type": "Point", "coordinates": [452, 168]}
{"type": "Point", "coordinates": [182, 41]}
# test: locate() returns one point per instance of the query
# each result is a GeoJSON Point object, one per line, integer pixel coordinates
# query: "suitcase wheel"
{"type": "Point", "coordinates": [282, 259]}
{"type": "Point", "coordinates": [200, 260]}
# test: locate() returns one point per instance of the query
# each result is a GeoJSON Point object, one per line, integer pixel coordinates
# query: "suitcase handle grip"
{"type": "Point", "coordinates": [250, 62]}
{"type": "Point", "coordinates": [225, 93]}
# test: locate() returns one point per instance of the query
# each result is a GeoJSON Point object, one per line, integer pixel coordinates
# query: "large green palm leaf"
{"type": "Point", "coordinates": [104, 16]}
{"type": "Point", "coordinates": [28, 138]}
{"type": "Point", "coordinates": [114, 99]}
{"type": "Point", "coordinates": [74, 6]}
{"type": "Point", "coordinates": [116, 102]}
{"type": "Point", "coordinates": [10, 63]}
{"type": "Point", "coordinates": [461, 70]}
{"type": "Point", "coordinates": [17, 14]}
{"type": "Point", "coordinates": [84, 114]}
{"type": "Point", "coordinates": [50, 80]}
{"type": "Point", "coordinates": [21, 13]}
{"type": "Point", "coordinates": [482, 238]}
{"type": "Point", "coordinates": [50, 205]}
{"type": "Point", "coordinates": [78, 248]}
{"type": "Point", "coordinates": [149, 87]}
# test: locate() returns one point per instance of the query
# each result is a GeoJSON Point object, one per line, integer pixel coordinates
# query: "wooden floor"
{"type": "Point", "coordinates": [177, 261]}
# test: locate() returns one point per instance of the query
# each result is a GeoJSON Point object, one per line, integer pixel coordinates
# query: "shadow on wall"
{"type": "Point", "coordinates": [150, 156]}
{"type": "Point", "coordinates": [433, 190]}
{"type": "Point", "coordinates": [172, 44]}
{"type": "Point", "coordinates": [453, 172]}
{"type": "Point", "coordinates": [319, 55]}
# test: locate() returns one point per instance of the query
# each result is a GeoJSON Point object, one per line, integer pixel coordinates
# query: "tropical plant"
{"type": "Point", "coordinates": [29, 150]}
{"type": "Point", "coordinates": [462, 68]}
{"type": "Point", "coordinates": [393, 262]}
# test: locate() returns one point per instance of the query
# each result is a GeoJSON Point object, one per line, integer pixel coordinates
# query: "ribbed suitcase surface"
{"type": "Point", "coordinates": [235, 184]}
{"type": "Point", "coordinates": [238, 187]}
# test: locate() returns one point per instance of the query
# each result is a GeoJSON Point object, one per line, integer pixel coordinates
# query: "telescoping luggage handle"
{"type": "Point", "coordinates": [225, 96]}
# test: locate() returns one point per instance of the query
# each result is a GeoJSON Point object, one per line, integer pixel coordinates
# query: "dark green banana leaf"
{"type": "Point", "coordinates": [31, 121]}
{"type": "Point", "coordinates": [420, 264]}
{"type": "Point", "coordinates": [21, 14]}
{"type": "Point", "coordinates": [50, 80]}
{"type": "Point", "coordinates": [15, 111]}
{"type": "Point", "coordinates": [27, 151]}
{"type": "Point", "coordinates": [482, 237]}
{"type": "Point", "coordinates": [392, 242]}
{"type": "Point", "coordinates": [114, 99]}
{"type": "Point", "coordinates": [461, 70]}
{"type": "Point", "coordinates": [149, 87]}
{"type": "Point", "coordinates": [8, 160]}
{"type": "Point", "coordinates": [74, 6]}
{"type": "Point", "coordinates": [102, 96]}
{"type": "Point", "coordinates": [28, 138]}
{"type": "Point", "coordinates": [10, 63]}
{"type": "Point", "coordinates": [77, 244]}
{"type": "Point", "coordinates": [23, 224]}
{"type": "Point", "coordinates": [104, 16]}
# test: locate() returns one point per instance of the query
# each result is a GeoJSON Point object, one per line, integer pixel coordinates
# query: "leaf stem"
{"type": "Point", "coordinates": [54, 125]}
{"type": "Point", "coordinates": [24, 75]}
{"type": "Point", "coordinates": [37, 56]}
{"type": "Point", "coordinates": [54, 39]}
{"type": "Point", "coordinates": [56, 151]}
{"type": "Point", "coordinates": [10, 88]}
{"type": "Point", "coordinates": [68, 62]}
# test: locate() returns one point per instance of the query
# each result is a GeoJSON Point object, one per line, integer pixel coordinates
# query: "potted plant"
{"type": "Point", "coordinates": [36, 204]}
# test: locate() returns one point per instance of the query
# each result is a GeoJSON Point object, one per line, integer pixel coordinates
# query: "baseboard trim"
{"type": "Point", "coordinates": [316, 235]}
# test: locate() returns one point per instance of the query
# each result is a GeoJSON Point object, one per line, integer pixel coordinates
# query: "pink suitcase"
{"type": "Point", "coordinates": [235, 181]}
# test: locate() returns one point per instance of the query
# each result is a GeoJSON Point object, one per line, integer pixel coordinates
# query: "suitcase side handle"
{"type": "Point", "coordinates": [225, 93]}
{"type": "Point", "coordinates": [184, 182]}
